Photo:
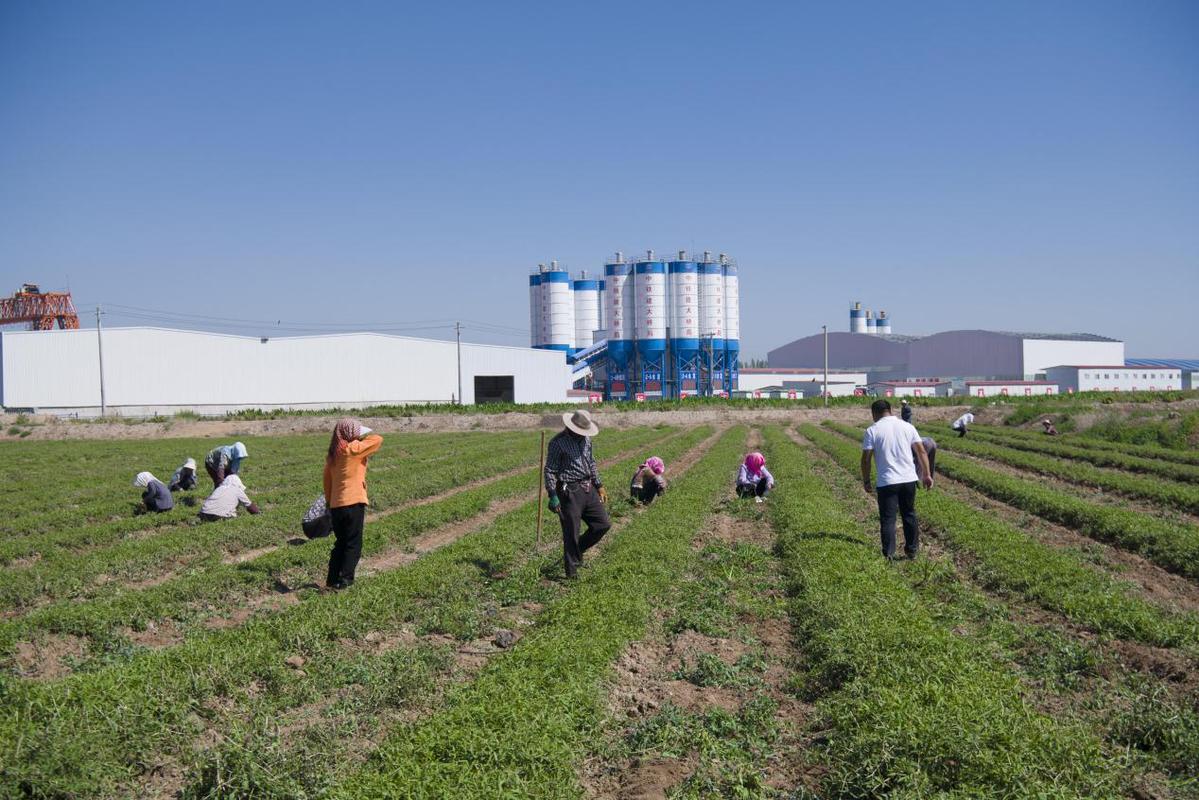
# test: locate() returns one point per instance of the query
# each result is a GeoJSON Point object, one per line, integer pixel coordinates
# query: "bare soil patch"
{"type": "Point", "coordinates": [49, 657]}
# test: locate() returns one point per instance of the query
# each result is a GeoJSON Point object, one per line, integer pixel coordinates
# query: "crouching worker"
{"type": "Point", "coordinates": [648, 482]}
{"type": "Point", "coordinates": [350, 446]}
{"type": "Point", "coordinates": [223, 461]}
{"type": "Point", "coordinates": [317, 522]}
{"type": "Point", "coordinates": [576, 494]}
{"type": "Point", "coordinates": [156, 496]}
{"type": "Point", "coordinates": [184, 478]}
{"type": "Point", "coordinates": [224, 500]}
{"type": "Point", "coordinates": [1048, 428]}
{"type": "Point", "coordinates": [753, 479]}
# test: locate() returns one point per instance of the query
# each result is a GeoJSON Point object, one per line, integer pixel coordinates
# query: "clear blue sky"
{"type": "Point", "coordinates": [1013, 165]}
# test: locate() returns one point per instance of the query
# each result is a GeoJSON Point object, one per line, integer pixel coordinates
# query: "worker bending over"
{"type": "Point", "coordinates": [224, 500]}
{"type": "Point", "coordinates": [223, 461]}
{"type": "Point", "coordinates": [576, 493]}
{"type": "Point", "coordinates": [897, 448]}
{"type": "Point", "coordinates": [753, 479]}
{"type": "Point", "coordinates": [156, 496]}
{"type": "Point", "coordinates": [1048, 428]}
{"type": "Point", "coordinates": [930, 449]}
{"type": "Point", "coordinates": [184, 478]}
{"type": "Point", "coordinates": [961, 423]}
{"type": "Point", "coordinates": [647, 481]}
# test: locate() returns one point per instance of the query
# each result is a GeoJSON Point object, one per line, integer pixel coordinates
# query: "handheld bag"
{"type": "Point", "coordinates": [317, 522]}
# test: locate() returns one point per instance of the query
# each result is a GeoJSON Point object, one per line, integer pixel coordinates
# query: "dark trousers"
{"type": "Point", "coordinates": [646, 494]}
{"type": "Point", "coordinates": [758, 489]}
{"type": "Point", "coordinates": [962, 431]}
{"type": "Point", "coordinates": [580, 503]}
{"type": "Point", "coordinates": [347, 549]}
{"type": "Point", "coordinates": [898, 498]}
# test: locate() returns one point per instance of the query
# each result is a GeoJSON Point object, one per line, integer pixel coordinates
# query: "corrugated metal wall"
{"type": "Point", "coordinates": [160, 369]}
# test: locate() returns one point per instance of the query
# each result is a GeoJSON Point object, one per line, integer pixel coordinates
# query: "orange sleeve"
{"type": "Point", "coordinates": [367, 446]}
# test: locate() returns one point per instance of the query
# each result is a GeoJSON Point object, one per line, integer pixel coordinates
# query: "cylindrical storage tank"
{"type": "Point", "coordinates": [711, 304]}
{"type": "Point", "coordinates": [684, 306]}
{"type": "Point", "coordinates": [871, 326]}
{"type": "Point", "coordinates": [535, 310]}
{"type": "Point", "coordinates": [603, 302]}
{"type": "Point", "coordinates": [732, 314]}
{"type": "Point", "coordinates": [559, 309]}
{"type": "Point", "coordinates": [618, 310]}
{"type": "Point", "coordinates": [883, 323]}
{"type": "Point", "coordinates": [650, 322]}
{"type": "Point", "coordinates": [857, 319]}
{"type": "Point", "coordinates": [587, 300]}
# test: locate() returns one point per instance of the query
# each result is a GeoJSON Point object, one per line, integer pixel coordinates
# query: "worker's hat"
{"type": "Point", "coordinates": [580, 422]}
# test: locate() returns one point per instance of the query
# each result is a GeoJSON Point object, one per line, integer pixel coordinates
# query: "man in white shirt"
{"type": "Point", "coordinates": [961, 422]}
{"type": "Point", "coordinates": [896, 448]}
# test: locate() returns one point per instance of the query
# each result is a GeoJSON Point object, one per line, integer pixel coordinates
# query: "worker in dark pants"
{"type": "Point", "coordinates": [902, 465]}
{"type": "Point", "coordinates": [350, 447]}
{"type": "Point", "coordinates": [905, 412]}
{"type": "Point", "coordinates": [576, 493]}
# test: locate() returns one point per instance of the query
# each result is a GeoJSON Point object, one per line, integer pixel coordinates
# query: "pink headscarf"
{"type": "Point", "coordinates": [345, 431]}
{"type": "Point", "coordinates": [754, 463]}
{"type": "Point", "coordinates": [655, 464]}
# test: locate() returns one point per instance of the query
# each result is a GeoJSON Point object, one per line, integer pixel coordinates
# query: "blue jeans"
{"type": "Point", "coordinates": [898, 498]}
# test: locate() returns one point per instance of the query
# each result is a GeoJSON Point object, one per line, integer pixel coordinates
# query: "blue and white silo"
{"type": "Point", "coordinates": [558, 309]}
{"type": "Point", "coordinates": [871, 326]}
{"type": "Point", "coordinates": [732, 322]}
{"type": "Point", "coordinates": [857, 319]}
{"type": "Point", "coordinates": [619, 314]}
{"type": "Point", "coordinates": [711, 322]}
{"type": "Point", "coordinates": [587, 300]}
{"type": "Point", "coordinates": [649, 324]}
{"type": "Point", "coordinates": [535, 309]}
{"type": "Point", "coordinates": [882, 325]}
{"type": "Point", "coordinates": [684, 322]}
{"type": "Point", "coordinates": [603, 315]}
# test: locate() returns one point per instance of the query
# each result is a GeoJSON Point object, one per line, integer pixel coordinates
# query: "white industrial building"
{"type": "Point", "coordinates": [150, 371]}
{"type": "Point", "coordinates": [1122, 378]}
{"type": "Point", "coordinates": [1010, 388]}
{"type": "Point", "coordinates": [752, 378]}
{"type": "Point", "coordinates": [915, 388]}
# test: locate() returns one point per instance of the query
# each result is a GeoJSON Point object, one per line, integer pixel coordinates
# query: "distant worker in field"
{"type": "Point", "coordinates": [753, 479]}
{"type": "Point", "coordinates": [350, 447]}
{"type": "Point", "coordinates": [1048, 428]}
{"type": "Point", "coordinates": [961, 423]}
{"type": "Point", "coordinates": [184, 478]}
{"type": "Point", "coordinates": [930, 449]}
{"type": "Point", "coordinates": [906, 410]}
{"type": "Point", "coordinates": [648, 481]}
{"type": "Point", "coordinates": [223, 461]}
{"type": "Point", "coordinates": [156, 496]}
{"type": "Point", "coordinates": [896, 448]}
{"type": "Point", "coordinates": [576, 493]}
{"type": "Point", "coordinates": [224, 500]}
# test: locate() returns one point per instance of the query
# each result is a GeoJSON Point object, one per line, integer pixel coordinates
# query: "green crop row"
{"type": "Point", "coordinates": [1102, 458]}
{"type": "Point", "coordinates": [93, 732]}
{"type": "Point", "coordinates": [1087, 443]}
{"type": "Point", "coordinates": [519, 729]}
{"type": "Point", "coordinates": [1004, 557]}
{"type": "Point", "coordinates": [214, 583]}
{"type": "Point", "coordinates": [1170, 493]}
{"type": "Point", "coordinates": [70, 573]}
{"type": "Point", "coordinates": [907, 709]}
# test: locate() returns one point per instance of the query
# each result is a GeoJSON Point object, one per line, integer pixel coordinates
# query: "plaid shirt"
{"type": "Point", "coordinates": [569, 460]}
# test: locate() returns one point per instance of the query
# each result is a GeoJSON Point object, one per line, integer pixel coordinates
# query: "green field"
{"type": "Point", "coordinates": [1044, 644]}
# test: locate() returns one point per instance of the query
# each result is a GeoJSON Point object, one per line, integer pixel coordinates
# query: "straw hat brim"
{"type": "Point", "coordinates": [568, 421]}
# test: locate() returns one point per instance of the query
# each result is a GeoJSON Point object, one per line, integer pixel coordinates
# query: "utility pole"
{"type": "Point", "coordinates": [100, 352]}
{"type": "Point", "coordinates": [458, 338]}
{"type": "Point", "coordinates": [825, 329]}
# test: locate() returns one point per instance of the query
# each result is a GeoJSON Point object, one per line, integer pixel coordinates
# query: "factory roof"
{"type": "Point", "coordinates": [793, 371]}
{"type": "Point", "coordinates": [1105, 366]}
{"type": "Point", "coordinates": [910, 383]}
{"type": "Point", "coordinates": [1178, 363]}
{"type": "Point", "coordinates": [1061, 337]}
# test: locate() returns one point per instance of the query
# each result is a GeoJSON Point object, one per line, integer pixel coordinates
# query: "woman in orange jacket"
{"type": "Point", "coordinates": [345, 493]}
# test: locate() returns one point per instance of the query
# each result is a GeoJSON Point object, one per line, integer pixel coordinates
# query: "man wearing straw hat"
{"type": "Point", "coordinates": [575, 491]}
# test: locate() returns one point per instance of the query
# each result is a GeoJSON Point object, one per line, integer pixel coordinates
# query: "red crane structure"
{"type": "Point", "coordinates": [40, 309]}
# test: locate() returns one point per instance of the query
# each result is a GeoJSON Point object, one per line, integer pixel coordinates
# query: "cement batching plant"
{"type": "Point", "coordinates": [659, 329]}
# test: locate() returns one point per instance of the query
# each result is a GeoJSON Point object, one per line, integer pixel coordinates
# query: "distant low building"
{"type": "Point", "coordinates": [1189, 367]}
{"type": "Point", "coordinates": [914, 388]}
{"type": "Point", "coordinates": [965, 354]}
{"type": "Point", "coordinates": [758, 378]}
{"type": "Point", "coordinates": [1010, 388]}
{"type": "Point", "coordinates": [1118, 378]}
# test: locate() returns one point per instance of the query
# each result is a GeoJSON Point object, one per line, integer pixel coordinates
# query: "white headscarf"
{"type": "Point", "coordinates": [190, 464]}
{"type": "Point", "coordinates": [239, 450]}
{"type": "Point", "coordinates": [143, 480]}
{"type": "Point", "coordinates": [233, 480]}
